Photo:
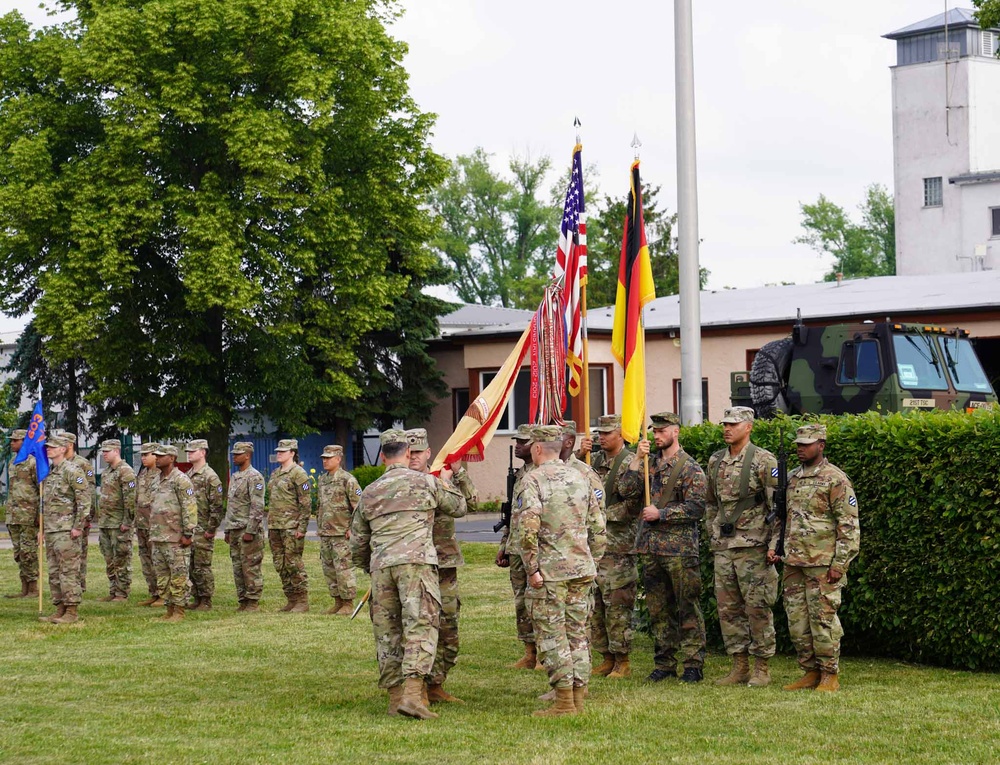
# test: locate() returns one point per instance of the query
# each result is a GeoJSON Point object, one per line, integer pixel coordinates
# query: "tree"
{"type": "Point", "coordinates": [865, 249]}
{"type": "Point", "coordinates": [988, 14]}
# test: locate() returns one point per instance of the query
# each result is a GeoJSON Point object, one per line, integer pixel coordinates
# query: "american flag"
{"type": "Point", "coordinates": [571, 268]}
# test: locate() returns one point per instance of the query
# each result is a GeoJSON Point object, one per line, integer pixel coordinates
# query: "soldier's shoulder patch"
{"type": "Point", "coordinates": [357, 492]}
{"type": "Point", "coordinates": [599, 493]}
{"type": "Point", "coordinates": [774, 472]}
{"type": "Point", "coordinates": [519, 502]}
{"type": "Point", "coordinates": [305, 486]}
{"type": "Point", "coordinates": [79, 480]}
{"type": "Point", "coordinates": [90, 473]}
{"type": "Point", "coordinates": [131, 484]}
{"type": "Point", "coordinates": [219, 489]}
{"type": "Point", "coordinates": [853, 501]}
{"type": "Point", "coordinates": [258, 486]}
{"type": "Point", "coordinates": [190, 491]}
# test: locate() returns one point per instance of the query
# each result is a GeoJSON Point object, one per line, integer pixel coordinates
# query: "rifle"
{"type": "Point", "coordinates": [505, 508]}
{"type": "Point", "coordinates": [779, 507]}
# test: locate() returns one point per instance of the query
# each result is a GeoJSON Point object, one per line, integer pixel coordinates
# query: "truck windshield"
{"type": "Point", "coordinates": [963, 365]}
{"type": "Point", "coordinates": [917, 363]}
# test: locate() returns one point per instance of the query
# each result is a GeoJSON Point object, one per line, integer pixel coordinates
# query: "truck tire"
{"type": "Point", "coordinates": [768, 378]}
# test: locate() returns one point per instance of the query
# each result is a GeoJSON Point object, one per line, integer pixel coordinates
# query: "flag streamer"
{"type": "Point", "coordinates": [548, 359]}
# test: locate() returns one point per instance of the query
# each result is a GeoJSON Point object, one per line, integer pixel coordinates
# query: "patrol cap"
{"type": "Point", "coordinates": [197, 443]}
{"type": "Point", "coordinates": [18, 435]}
{"type": "Point", "coordinates": [608, 423]}
{"type": "Point", "coordinates": [243, 447]}
{"type": "Point", "coordinates": [287, 445]}
{"type": "Point", "coordinates": [569, 428]}
{"type": "Point", "coordinates": [165, 450]}
{"type": "Point", "coordinates": [523, 433]}
{"type": "Point", "coordinates": [111, 443]}
{"type": "Point", "coordinates": [393, 436]}
{"type": "Point", "coordinates": [149, 448]}
{"type": "Point", "coordinates": [332, 450]}
{"type": "Point", "coordinates": [810, 434]}
{"type": "Point", "coordinates": [737, 414]}
{"type": "Point", "coordinates": [663, 419]}
{"type": "Point", "coordinates": [70, 438]}
{"type": "Point", "coordinates": [546, 433]}
{"type": "Point", "coordinates": [417, 438]}
{"type": "Point", "coordinates": [56, 441]}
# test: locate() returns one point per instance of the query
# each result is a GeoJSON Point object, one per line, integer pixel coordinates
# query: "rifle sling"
{"type": "Point", "coordinates": [610, 491]}
{"type": "Point", "coordinates": [745, 499]}
{"type": "Point", "coordinates": [672, 478]}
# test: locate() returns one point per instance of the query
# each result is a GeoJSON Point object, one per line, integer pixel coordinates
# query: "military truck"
{"type": "Point", "coordinates": [852, 368]}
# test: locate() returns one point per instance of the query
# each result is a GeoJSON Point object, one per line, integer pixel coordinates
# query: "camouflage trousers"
{"type": "Point", "coordinates": [519, 583]}
{"type": "Point", "coordinates": [405, 609]}
{"type": "Point", "coordinates": [202, 578]}
{"type": "Point", "coordinates": [559, 614]}
{"type": "Point", "coordinates": [24, 539]}
{"type": "Point", "coordinates": [62, 553]}
{"type": "Point", "coordinates": [811, 604]}
{"type": "Point", "coordinates": [335, 556]}
{"type": "Point", "coordinates": [146, 560]}
{"type": "Point", "coordinates": [84, 544]}
{"type": "Point", "coordinates": [746, 588]}
{"type": "Point", "coordinates": [614, 599]}
{"type": "Point", "coordinates": [116, 547]}
{"type": "Point", "coordinates": [673, 594]}
{"type": "Point", "coordinates": [170, 561]}
{"type": "Point", "coordinates": [447, 647]}
{"type": "Point", "coordinates": [286, 551]}
{"type": "Point", "coordinates": [247, 558]}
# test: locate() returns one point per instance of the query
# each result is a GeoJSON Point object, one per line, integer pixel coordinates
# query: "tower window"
{"type": "Point", "coordinates": [932, 192]}
{"type": "Point", "coordinates": [995, 221]}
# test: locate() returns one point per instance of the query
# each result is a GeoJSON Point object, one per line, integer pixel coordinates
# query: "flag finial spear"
{"type": "Point", "coordinates": [636, 144]}
{"type": "Point", "coordinates": [577, 124]}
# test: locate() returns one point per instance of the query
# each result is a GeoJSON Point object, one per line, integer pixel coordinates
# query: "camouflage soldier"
{"type": "Point", "coordinates": [822, 537]}
{"type": "Point", "coordinates": [146, 482]}
{"type": "Point", "coordinates": [339, 493]}
{"type": "Point", "coordinates": [88, 471]}
{"type": "Point", "coordinates": [562, 533]}
{"type": "Point", "coordinates": [392, 539]}
{"type": "Point", "coordinates": [617, 571]}
{"type": "Point", "coordinates": [115, 517]}
{"type": "Point", "coordinates": [244, 527]}
{"type": "Point", "coordinates": [208, 495]}
{"type": "Point", "coordinates": [171, 530]}
{"type": "Point", "coordinates": [741, 481]}
{"type": "Point", "coordinates": [65, 503]}
{"type": "Point", "coordinates": [287, 521]}
{"type": "Point", "coordinates": [449, 556]}
{"type": "Point", "coordinates": [22, 517]}
{"type": "Point", "coordinates": [668, 541]}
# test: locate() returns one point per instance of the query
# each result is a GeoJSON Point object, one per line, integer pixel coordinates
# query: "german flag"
{"type": "Point", "coordinates": [635, 289]}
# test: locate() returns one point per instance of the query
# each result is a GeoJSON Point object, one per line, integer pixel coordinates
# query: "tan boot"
{"type": "Point", "coordinates": [395, 696]}
{"type": "Point", "coordinates": [177, 615]}
{"type": "Point", "coordinates": [57, 614]}
{"type": "Point", "coordinates": [32, 590]}
{"type": "Point", "coordinates": [412, 703]}
{"type": "Point", "coordinates": [151, 600]}
{"type": "Point", "coordinates": [807, 682]}
{"type": "Point", "coordinates": [107, 598]}
{"type": "Point", "coordinates": [563, 705]}
{"type": "Point", "coordinates": [605, 667]}
{"type": "Point", "coordinates": [761, 674]}
{"type": "Point", "coordinates": [436, 694]}
{"type": "Point", "coordinates": [119, 598]}
{"type": "Point", "coordinates": [740, 673]}
{"type": "Point", "coordinates": [332, 610]}
{"type": "Point", "coordinates": [346, 607]}
{"type": "Point", "coordinates": [167, 615]}
{"type": "Point", "coordinates": [251, 607]}
{"type": "Point", "coordinates": [158, 603]}
{"type": "Point", "coordinates": [69, 617]}
{"type": "Point", "coordinates": [549, 695]}
{"type": "Point", "coordinates": [204, 604]}
{"type": "Point", "coordinates": [528, 660]}
{"type": "Point", "coordinates": [23, 593]}
{"type": "Point", "coordinates": [301, 604]}
{"type": "Point", "coordinates": [289, 605]}
{"type": "Point", "coordinates": [622, 667]}
{"type": "Point", "coordinates": [829, 682]}
{"type": "Point", "coordinates": [424, 696]}
{"type": "Point", "coordinates": [579, 695]}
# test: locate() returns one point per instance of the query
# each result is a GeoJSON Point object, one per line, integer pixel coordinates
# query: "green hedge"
{"type": "Point", "coordinates": [925, 584]}
{"type": "Point", "coordinates": [367, 473]}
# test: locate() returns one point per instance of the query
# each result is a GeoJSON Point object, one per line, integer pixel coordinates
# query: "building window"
{"type": "Point", "coordinates": [598, 394]}
{"type": "Point", "coordinates": [459, 404]}
{"type": "Point", "coordinates": [988, 43]}
{"type": "Point", "coordinates": [995, 222]}
{"type": "Point", "coordinates": [704, 397]}
{"type": "Point", "coordinates": [932, 192]}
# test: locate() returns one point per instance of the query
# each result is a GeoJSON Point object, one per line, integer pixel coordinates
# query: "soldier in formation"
{"type": "Point", "coordinates": [22, 517]}
{"type": "Point", "coordinates": [208, 495]}
{"type": "Point", "coordinates": [338, 496]}
{"type": "Point", "coordinates": [245, 527]}
{"type": "Point", "coordinates": [88, 470]}
{"type": "Point", "coordinates": [288, 512]}
{"type": "Point", "coordinates": [172, 522]}
{"type": "Point", "coordinates": [146, 481]}
{"type": "Point", "coordinates": [115, 517]}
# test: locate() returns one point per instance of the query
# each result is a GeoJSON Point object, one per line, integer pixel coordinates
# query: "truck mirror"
{"type": "Point", "coordinates": [800, 334]}
{"type": "Point", "coordinates": [850, 357]}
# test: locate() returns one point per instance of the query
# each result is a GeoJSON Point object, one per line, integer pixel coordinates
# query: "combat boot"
{"type": "Point", "coordinates": [168, 614]}
{"type": "Point", "coordinates": [251, 607]}
{"type": "Point", "coordinates": [829, 682]}
{"type": "Point", "coordinates": [301, 604]}
{"type": "Point", "coordinates": [528, 660]}
{"type": "Point", "coordinates": [605, 667]}
{"type": "Point", "coordinates": [335, 608]}
{"type": "Point", "coordinates": [740, 673]}
{"type": "Point", "coordinates": [32, 589]}
{"type": "Point", "coordinates": [412, 704]}
{"type": "Point", "coordinates": [204, 604]}
{"type": "Point", "coordinates": [242, 606]}
{"type": "Point", "coordinates": [51, 618]}
{"type": "Point", "coordinates": [436, 694]}
{"type": "Point", "coordinates": [23, 593]}
{"type": "Point", "coordinates": [579, 695]}
{"type": "Point", "coordinates": [289, 605]}
{"type": "Point", "coordinates": [549, 695]}
{"type": "Point", "coordinates": [69, 616]}
{"type": "Point", "coordinates": [761, 674]}
{"type": "Point", "coordinates": [158, 603]}
{"type": "Point", "coordinates": [692, 675]}
{"type": "Point", "coordinates": [346, 608]}
{"type": "Point", "coordinates": [395, 696]}
{"type": "Point", "coordinates": [563, 705]}
{"type": "Point", "coordinates": [177, 615]}
{"type": "Point", "coordinates": [107, 598]}
{"type": "Point", "coordinates": [120, 597]}
{"type": "Point", "coordinates": [807, 682]}
{"type": "Point", "coordinates": [622, 667]}
{"type": "Point", "coordinates": [150, 601]}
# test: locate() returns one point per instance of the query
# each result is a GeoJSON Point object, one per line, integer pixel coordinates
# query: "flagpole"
{"type": "Point", "coordinates": [637, 144]}
{"type": "Point", "coordinates": [585, 382]}
{"type": "Point", "coordinates": [41, 542]}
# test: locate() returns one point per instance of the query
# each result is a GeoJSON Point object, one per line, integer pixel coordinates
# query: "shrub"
{"type": "Point", "coordinates": [367, 473]}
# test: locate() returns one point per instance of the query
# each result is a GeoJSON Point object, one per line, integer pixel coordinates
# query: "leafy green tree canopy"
{"type": "Point", "coordinates": [988, 14]}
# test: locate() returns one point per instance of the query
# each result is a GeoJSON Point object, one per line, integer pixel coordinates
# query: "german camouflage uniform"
{"type": "Point", "coordinates": [288, 514]}
{"type": "Point", "coordinates": [117, 510]}
{"type": "Point", "coordinates": [22, 517]}
{"type": "Point", "coordinates": [146, 482]}
{"type": "Point", "coordinates": [66, 504]}
{"type": "Point", "coordinates": [91, 481]}
{"type": "Point", "coordinates": [208, 494]}
{"type": "Point", "coordinates": [509, 544]}
{"type": "Point", "coordinates": [822, 533]}
{"type": "Point", "coordinates": [562, 532]}
{"type": "Point", "coordinates": [339, 494]}
{"type": "Point", "coordinates": [174, 513]}
{"type": "Point", "coordinates": [245, 515]}
{"type": "Point", "coordinates": [392, 539]}
{"type": "Point", "coordinates": [746, 586]}
{"type": "Point", "coordinates": [671, 563]}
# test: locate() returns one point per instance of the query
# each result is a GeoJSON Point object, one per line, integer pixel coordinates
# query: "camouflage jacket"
{"type": "Point", "coordinates": [65, 498]}
{"type": "Point", "coordinates": [393, 522]}
{"type": "Point", "coordinates": [449, 552]}
{"type": "Point", "coordinates": [118, 493]}
{"type": "Point", "coordinates": [822, 527]}
{"type": "Point", "coordinates": [508, 542]}
{"type": "Point", "coordinates": [208, 495]}
{"type": "Point", "coordinates": [245, 511]}
{"type": "Point", "coordinates": [22, 505]}
{"type": "Point", "coordinates": [339, 494]}
{"type": "Point", "coordinates": [290, 500]}
{"type": "Point", "coordinates": [676, 533]}
{"type": "Point", "coordinates": [561, 524]}
{"type": "Point", "coordinates": [146, 482]}
{"type": "Point", "coordinates": [751, 529]}
{"type": "Point", "coordinates": [175, 511]}
{"type": "Point", "coordinates": [88, 471]}
{"type": "Point", "coordinates": [623, 495]}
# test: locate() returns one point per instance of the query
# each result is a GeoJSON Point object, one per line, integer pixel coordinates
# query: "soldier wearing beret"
{"type": "Point", "coordinates": [822, 537]}
{"type": "Point", "coordinates": [88, 470]}
{"type": "Point", "coordinates": [339, 494]}
{"type": "Point", "coordinates": [146, 481]}
{"type": "Point", "coordinates": [208, 494]}
{"type": "Point", "coordinates": [245, 527]}
{"type": "Point", "coordinates": [172, 522]}
{"type": "Point", "coordinates": [115, 517]}
{"type": "Point", "coordinates": [290, 493]}
{"type": "Point", "coordinates": [22, 517]}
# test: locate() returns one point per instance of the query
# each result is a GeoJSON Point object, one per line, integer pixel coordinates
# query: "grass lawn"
{"type": "Point", "coordinates": [223, 687]}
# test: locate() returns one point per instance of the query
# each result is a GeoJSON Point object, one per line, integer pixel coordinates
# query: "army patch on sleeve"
{"type": "Point", "coordinates": [853, 501]}
{"type": "Point", "coordinates": [131, 484]}
{"type": "Point", "coordinates": [774, 472]}
{"type": "Point", "coordinates": [357, 492]}
{"type": "Point", "coordinates": [519, 503]}
{"type": "Point", "coordinates": [219, 489]}
{"type": "Point", "coordinates": [79, 480]}
{"type": "Point", "coordinates": [190, 492]}
{"type": "Point", "coordinates": [259, 486]}
{"type": "Point", "coordinates": [305, 486]}
{"type": "Point", "coordinates": [598, 493]}
{"type": "Point", "coordinates": [90, 473]}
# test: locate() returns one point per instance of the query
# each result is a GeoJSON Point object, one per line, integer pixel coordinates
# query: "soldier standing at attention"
{"type": "Point", "coordinates": [562, 533]}
{"type": "Point", "coordinates": [146, 482]}
{"type": "Point", "coordinates": [339, 493]}
{"type": "Point", "coordinates": [171, 530]}
{"type": "Point", "coordinates": [88, 471]}
{"type": "Point", "coordinates": [244, 527]}
{"type": "Point", "coordinates": [617, 571]}
{"type": "Point", "coordinates": [115, 517]}
{"type": "Point", "coordinates": [392, 539]}
{"type": "Point", "coordinates": [822, 537]}
{"type": "Point", "coordinates": [65, 503]}
{"type": "Point", "coordinates": [287, 520]}
{"type": "Point", "coordinates": [668, 540]}
{"type": "Point", "coordinates": [208, 495]}
{"type": "Point", "coordinates": [449, 556]}
{"type": "Point", "coordinates": [741, 482]}
{"type": "Point", "coordinates": [22, 517]}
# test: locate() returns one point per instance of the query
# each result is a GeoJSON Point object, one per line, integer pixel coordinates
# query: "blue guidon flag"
{"type": "Point", "coordinates": [34, 444]}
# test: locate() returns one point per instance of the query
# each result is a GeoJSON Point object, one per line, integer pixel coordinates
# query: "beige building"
{"type": "Point", "coordinates": [475, 341]}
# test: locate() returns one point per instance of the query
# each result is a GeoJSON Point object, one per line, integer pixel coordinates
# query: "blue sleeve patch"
{"type": "Point", "coordinates": [774, 472]}
{"type": "Point", "coordinates": [305, 486]}
{"type": "Point", "coordinates": [598, 493]}
{"type": "Point", "coordinates": [259, 486]}
{"type": "Point", "coordinates": [79, 480]}
{"type": "Point", "coordinates": [853, 501]}
{"type": "Point", "coordinates": [90, 474]}
{"type": "Point", "coordinates": [220, 489]}
{"type": "Point", "coordinates": [131, 484]}
{"type": "Point", "coordinates": [519, 503]}
{"type": "Point", "coordinates": [357, 492]}
{"type": "Point", "coordinates": [190, 492]}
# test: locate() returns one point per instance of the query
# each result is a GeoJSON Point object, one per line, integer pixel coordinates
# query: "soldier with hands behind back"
{"type": "Point", "coordinates": [172, 521]}
{"type": "Point", "coordinates": [339, 494]}
{"type": "Point", "coordinates": [244, 527]}
{"type": "Point", "coordinates": [115, 518]}
{"type": "Point", "coordinates": [288, 511]}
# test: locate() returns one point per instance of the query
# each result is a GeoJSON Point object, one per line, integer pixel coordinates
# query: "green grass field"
{"type": "Point", "coordinates": [223, 687]}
